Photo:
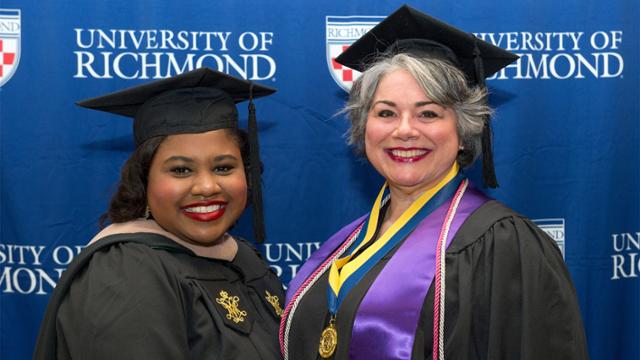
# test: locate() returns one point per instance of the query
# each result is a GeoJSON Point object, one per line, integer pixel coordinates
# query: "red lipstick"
{"type": "Point", "coordinates": [407, 154]}
{"type": "Point", "coordinates": [205, 211]}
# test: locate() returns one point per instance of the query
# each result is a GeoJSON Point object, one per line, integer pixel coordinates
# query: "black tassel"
{"type": "Point", "coordinates": [488, 169]}
{"type": "Point", "coordinates": [477, 62]}
{"type": "Point", "coordinates": [256, 183]}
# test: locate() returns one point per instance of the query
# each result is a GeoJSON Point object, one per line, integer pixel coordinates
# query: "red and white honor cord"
{"type": "Point", "coordinates": [440, 286]}
{"type": "Point", "coordinates": [290, 309]}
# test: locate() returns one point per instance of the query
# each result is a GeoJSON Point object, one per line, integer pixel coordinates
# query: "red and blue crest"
{"type": "Point", "coordinates": [342, 31]}
{"type": "Point", "coordinates": [9, 43]}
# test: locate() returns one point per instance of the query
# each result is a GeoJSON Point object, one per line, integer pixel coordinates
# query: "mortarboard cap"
{"type": "Point", "coordinates": [408, 30]}
{"type": "Point", "coordinates": [192, 102]}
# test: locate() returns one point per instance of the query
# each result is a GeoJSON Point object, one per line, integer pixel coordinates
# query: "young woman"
{"type": "Point", "coordinates": [166, 280]}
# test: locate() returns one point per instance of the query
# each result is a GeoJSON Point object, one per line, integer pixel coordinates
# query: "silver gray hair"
{"type": "Point", "coordinates": [442, 82]}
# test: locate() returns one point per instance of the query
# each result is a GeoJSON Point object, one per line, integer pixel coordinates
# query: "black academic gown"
{"type": "Point", "coordinates": [508, 296]}
{"type": "Point", "coordinates": [143, 296]}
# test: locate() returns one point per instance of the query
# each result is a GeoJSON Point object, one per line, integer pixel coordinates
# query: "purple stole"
{"type": "Point", "coordinates": [387, 318]}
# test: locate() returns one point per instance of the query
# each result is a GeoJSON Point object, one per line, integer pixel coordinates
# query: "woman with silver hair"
{"type": "Point", "coordinates": [436, 269]}
{"type": "Point", "coordinates": [442, 82]}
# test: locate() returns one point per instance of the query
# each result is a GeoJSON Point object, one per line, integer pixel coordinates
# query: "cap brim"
{"type": "Point", "coordinates": [409, 23]}
{"type": "Point", "coordinates": [127, 102]}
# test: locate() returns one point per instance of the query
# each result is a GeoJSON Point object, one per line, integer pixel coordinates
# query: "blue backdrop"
{"type": "Point", "coordinates": [567, 130]}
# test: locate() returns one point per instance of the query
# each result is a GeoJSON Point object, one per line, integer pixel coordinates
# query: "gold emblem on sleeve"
{"type": "Point", "coordinates": [273, 300]}
{"type": "Point", "coordinates": [230, 303]}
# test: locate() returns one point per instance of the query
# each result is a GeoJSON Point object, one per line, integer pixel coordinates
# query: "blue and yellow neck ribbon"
{"type": "Point", "coordinates": [346, 272]}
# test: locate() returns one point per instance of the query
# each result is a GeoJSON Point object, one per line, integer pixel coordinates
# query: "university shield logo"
{"type": "Point", "coordinates": [343, 31]}
{"type": "Point", "coordinates": [555, 229]}
{"type": "Point", "coordinates": [9, 43]}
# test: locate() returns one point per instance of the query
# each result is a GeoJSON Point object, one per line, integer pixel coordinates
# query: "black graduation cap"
{"type": "Point", "coordinates": [408, 30]}
{"type": "Point", "coordinates": [192, 102]}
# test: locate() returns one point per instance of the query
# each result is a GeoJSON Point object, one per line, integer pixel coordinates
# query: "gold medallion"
{"type": "Point", "coordinates": [328, 340]}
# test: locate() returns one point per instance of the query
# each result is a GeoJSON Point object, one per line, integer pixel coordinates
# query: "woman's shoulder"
{"type": "Point", "coordinates": [120, 262]}
{"type": "Point", "coordinates": [119, 253]}
{"type": "Point", "coordinates": [137, 240]}
{"type": "Point", "coordinates": [495, 223]}
{"type": "Point", "coordinates": [250, 261]}
{"type": "Point", "coordinates": [483, 219]}
{"type": "Point", "coordinates": [116, 285]}
{"type": "Point", "coordinates": [123, 262]}
{"type": "Point", "coordinates": [135, 231]}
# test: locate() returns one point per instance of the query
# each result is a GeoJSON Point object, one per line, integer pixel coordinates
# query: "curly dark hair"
{"type": "Point", "coordinates": [130, 199]}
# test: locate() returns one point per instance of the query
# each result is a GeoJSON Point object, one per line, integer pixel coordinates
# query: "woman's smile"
{"type": "Point", "coordinates": [205, 210]}
{"type": "Point", "coordinates": [407, 155]}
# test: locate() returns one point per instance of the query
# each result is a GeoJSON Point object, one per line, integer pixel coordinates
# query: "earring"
{"type": "Point", "coordinates": [147, 213]}
{"type": "Point", "coordinates": [460, 148]}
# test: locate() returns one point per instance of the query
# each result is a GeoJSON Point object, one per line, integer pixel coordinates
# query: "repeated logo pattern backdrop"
{"type": "Point", "coordinates": [567, 131]}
